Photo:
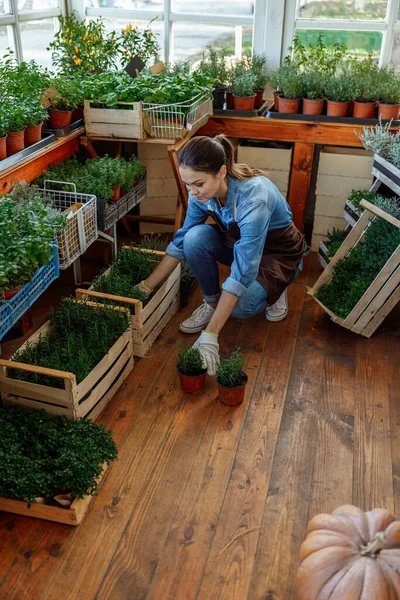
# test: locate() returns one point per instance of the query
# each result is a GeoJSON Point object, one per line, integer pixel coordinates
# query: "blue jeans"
{"type": "Point", "coordinates": [203, 247]}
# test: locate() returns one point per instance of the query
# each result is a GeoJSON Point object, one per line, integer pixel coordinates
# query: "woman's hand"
{"type": "Point", "coordinates": [141, 287]}
{"type": "Point", "coordinates": [208, 346]}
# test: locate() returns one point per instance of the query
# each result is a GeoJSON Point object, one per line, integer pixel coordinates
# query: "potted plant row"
{"type": "Point", "coordinates": [117, 284]}
{"type": "Point", "coordinates": [20, 125]}
{"type": "Point", "coordinates": [51, 467]}
{"type": "Point", "coordinates": [323, 79]}
{"type": "Point", "coordinates": [74, 363]}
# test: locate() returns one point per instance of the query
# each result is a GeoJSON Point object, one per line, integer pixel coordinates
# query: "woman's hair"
{"type": "Point", "coordinates": [207, 154]}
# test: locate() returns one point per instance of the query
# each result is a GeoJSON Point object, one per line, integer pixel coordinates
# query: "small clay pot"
{"type": "Point", "coordinates": [8, 294]}
{"type": "Point", "coordinates": [230, 104]}
{"type": "Point", "coordinates": [337, 109]}
{"type": "Point", "coordinates": [258, 99]}
{"type": "Point", "coordinates": [289, 105]}
{"type": "Point", "coordinates": [244, 102]}
{"type": "Point", "coordinates": [192, 384]}
{"type": "Point", "coordinates": [386, 112]}
{"type": "Point", "coordinates": [232, 396]}
{"type": "Point", "coordinates": [219, 97]}
{"type": "Point", "coordinates": [15, 142]}
{"type": "Point", "coordinates": [313, 106]}
{"type": "Point", "coordinates": [116, 192]}
{"type": "Point", "coordinates": [3, 147]}
{"type": "Point", "coordinates": [59, 118]}
{"type": "Point", "coordinates": [364, 110]}
{"type": "Point", "coordinates": [276, 100]}
{"type": "Point", "coordinates": [33, 134]}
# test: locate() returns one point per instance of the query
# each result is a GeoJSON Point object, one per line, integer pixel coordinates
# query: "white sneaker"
{"type": "Point", "coordinates": [198, 320]}
{"type": "Point", "coordinates": [279, 310]}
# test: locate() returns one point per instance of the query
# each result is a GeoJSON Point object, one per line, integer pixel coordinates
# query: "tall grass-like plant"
{"type": "Point", "coordinates": [230, 370]}
{"type": "Point", "coordinates": [190, 362]}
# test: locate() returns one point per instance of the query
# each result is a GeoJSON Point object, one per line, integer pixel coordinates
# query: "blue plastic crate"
{"type": "Point", "coordinates": [12, 310]}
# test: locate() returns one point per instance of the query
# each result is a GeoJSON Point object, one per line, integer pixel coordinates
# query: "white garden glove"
{"type": "Point", "coordinates": [208, 346]}
{"type": "Point", "coordinates": [143, 289]}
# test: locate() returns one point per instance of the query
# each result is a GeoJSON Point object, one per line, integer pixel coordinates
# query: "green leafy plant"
{"type": "Point", "coordinates": [357, 195]}
{"type": "Point", "coordinates": [144, 44]}
{"type": "Point", "coordinates": [28, 226]}
{"type": "Point", "coordinates": [41, 457]}
{"type": "Point", "coordinates": [339, 88]}
{"type": "Point", "coordinates": [365, 77]}
{"type": "Point", "coordinates": [335, 239]}
{"type": "Point", "coordinates": [80, 336]}
{"type": "Point", "coordinates": [313, 85]}
{"type": "Point", "coordinates": [394, 153]}
{"type": "Point", "coordinates": [190, 361]}
{"type": "Point", "coordinates": [3, 120]}
{"type": "Point", "coordinates": [291, 82]}
{"type": "Point", "coordinates": [379, 138]}
{"type": "Point", "coordinates": [214, 66]}
{"type": "Point", "coordinates": [388, 90]}
{"type": "Point", "coordinates": [316, 57]}
{"type": "Point", "coordinates": [258, 62]}
{"type": "Point", "coordinates": [273, 80]}
{"type": "Point", "coordinates": [243, 85]}
{"type": "Point", "coordinates": [230, 370]}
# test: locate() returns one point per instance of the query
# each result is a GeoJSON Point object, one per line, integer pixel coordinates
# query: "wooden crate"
{"type": "Point", "coordinates": [383, 293]}
{"type": "Point", "coordinates": [115, 123]}
{"type": "Point", "coordinates": [73, 515]}
{"type": "Point", "coordinates": [386, 173]}
{"type": "Point", "coordinates": [85, 399]}
{"type": "Point", "coordinates": [147, 322]}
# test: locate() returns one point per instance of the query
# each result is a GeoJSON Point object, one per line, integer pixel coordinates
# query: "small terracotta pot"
{"type": "Point", "coordinates": [3, 147]}
{"type": "Point", "coordinates": [313, 106]}
{"type": "Point", "coordinates": [33, 134]}
{"type": "Point", "coordinates": [60, 118]}
{"type": "Point", "coordinates": [230, 104]}
{"type": "Point", "coordinates": [244, 102]}
{"type": "Point", "coordinates": [8, 294]}
{"type": "Point", "coordinates": [232, 396]}
{"type": "Point", "coordinates": [192, 384]}
{"type": "Point", "coordinates": [276, 100]}
{"type": "Point", "coordinates": [337, 109]}
{"type": "Point", "coordinates": [258, 99]}
{"type": "Point", "coordinates": [364, 110]}
{"type": "Point", "coordinates": [219, 97]}
{"type": "Point", "coordinates": [388, 111]}
{"type": "Point", "coordinates": [116, 192]}
{"type": "Point", "coordinates": [77, 113]}
{"type": "Point", "coordinates": [289, 105]}
{"type": "Point", "coordinates": [15, 142]}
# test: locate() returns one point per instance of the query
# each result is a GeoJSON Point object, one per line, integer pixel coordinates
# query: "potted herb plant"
{"type": "Point", "coordinates": [243, 94]}
{"type": "Point", "coordinates": [273, 82]}
{"type": "Point", "coordinates": [51, 462]}
{"type": "Point", "coordinates": [291, 84]}
{"type": "Point", "coordinates": [192, 374]}
{"type": "Point", "coordinates": [313, 91]}
{"type": "Point", "coordinates": [258, 62]}
{"type": "Point", "coordinates": [365, 75]}
{"type": "Point", "coordinates": [388, 93]}
{"type": "Point", "coordinates": [214, 65]}
{"type": "Point", "coordinates": [3, 132]}
{"type": "Point", "coordinates": [33, 131]}
{"type": "Point", "coordinates": [338, 91]}
{"type": "Point", "coordinates": [18, 117]}
{"type": "Point", "coordinates": [231, 379]}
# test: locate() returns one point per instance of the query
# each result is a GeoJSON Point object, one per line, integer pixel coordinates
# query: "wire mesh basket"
{"type": "Point", "coordinates": [81, 228]}
{"type": "Point", "coordinates": [13, 309]}
{"type": "Point", "coordinates": [108, 215]}
{"type": "Point", "coordinates": [174, 121]}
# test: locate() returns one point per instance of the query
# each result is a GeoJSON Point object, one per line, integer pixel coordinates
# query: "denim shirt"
{"type": "Point", "coordinates": [257, 206]}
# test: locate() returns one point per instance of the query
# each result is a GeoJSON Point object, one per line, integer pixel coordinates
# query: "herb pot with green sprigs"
{"type": "Point", "coordinates": [231, 379]}
{"type": "Point", "coordinates": [192, 374]}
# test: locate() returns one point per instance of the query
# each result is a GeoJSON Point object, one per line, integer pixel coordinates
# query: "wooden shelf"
{"type": "Point", "coordinates": [32, 166]}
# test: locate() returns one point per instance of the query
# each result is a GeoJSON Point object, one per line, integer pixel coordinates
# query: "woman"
{"type": "Point", "coordinates": [253, 234]}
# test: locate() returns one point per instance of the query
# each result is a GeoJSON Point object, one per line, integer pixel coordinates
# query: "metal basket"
{"type": "Point", "coordinates": [108, 215]}
{"type": "Point", "coordinates": [12, 310]}
{"type": "Point", "coordinates": [174, 121]}
{"type": "Point", "coordinates": [81, 230]}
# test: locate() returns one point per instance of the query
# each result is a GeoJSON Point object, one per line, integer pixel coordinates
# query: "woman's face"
{"type": "Point", "coordinates": [202, 185]}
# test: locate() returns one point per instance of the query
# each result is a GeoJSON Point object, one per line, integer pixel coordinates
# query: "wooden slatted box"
{"type": "Point", "coordinates": [126, 122]}
{"type": "Point", "coordinates": [147, 321]}
{"type": "Point", "coordinates": [85, 399]}
{"type": "Point", "coordinates": [73, 515]}
{"type": "Point", "coordinates": [387, 173]}
{"type": "Point", "coordinates": [383, 293]}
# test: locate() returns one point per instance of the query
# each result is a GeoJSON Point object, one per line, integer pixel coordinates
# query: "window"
{"type": "Point", "coordinates": [374, 10]}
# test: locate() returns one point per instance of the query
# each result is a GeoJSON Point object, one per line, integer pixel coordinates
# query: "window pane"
{"type": "Point", "coordinates": [342, 9]}
{"type": "Point", "coordinates": [220, 7]}
{"type": "Point", "coordinates": [37, 4]}
{"type": "Point", "coordinates": [190, 39]}
{"type": "Point", "coordinates": [35, 37]}
{"type": "Point", "coordinates": [5, 40]}
{"type": "Point", "coordinates": [156, 5]}
{"type": "Point", "coordinates": [396, 52]}
{"type": "Point", "coordinates": [358, 42]}
{"type": "Point", "coordinates": [4, 7]}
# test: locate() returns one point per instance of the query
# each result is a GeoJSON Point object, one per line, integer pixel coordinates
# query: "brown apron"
{"type": "Point", "coordinates": [283, 251]}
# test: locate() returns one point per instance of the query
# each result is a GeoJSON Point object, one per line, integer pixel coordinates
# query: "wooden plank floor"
{"type": "Point", "coordinates": [209, 502]}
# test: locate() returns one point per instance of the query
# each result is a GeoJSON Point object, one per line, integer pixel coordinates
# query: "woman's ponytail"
{"type": "Point", "coordinates": [207, 154]}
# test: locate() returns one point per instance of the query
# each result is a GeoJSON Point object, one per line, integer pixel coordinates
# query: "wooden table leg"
{"type": "Point", "coordinates": [179, 214]}
{"type": "Point", "coordinates": [300, 178]}
{"type": "Point", "coordinates": [89, 146]}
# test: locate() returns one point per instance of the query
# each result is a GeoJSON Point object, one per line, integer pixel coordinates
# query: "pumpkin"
{"type": "Point", "coordinates": [350, 555]}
